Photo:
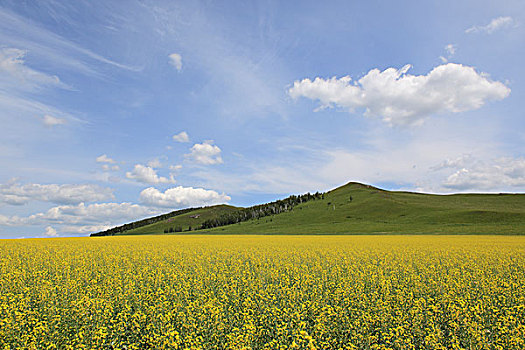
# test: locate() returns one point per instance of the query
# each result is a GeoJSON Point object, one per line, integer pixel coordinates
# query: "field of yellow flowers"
{"type": "Point", "coordinates": [263, 292]}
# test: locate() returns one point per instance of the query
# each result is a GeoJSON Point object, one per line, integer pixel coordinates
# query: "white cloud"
{"type": "Point", "coordinates": [400, 158]}
{"type": "Point", "coordinates": [155, 163]}
{"type": "Point", "coordinates": [15, 104]}
{"type": "Point", "coordinates": [49, 120]}
{"type": "Point", "coordinates": [175, 60]}
{"type": "Point", "coordinates": [17, 76]}
{"type": "Point", "coordinates": [145, 174]}
{"type": "Point", "coordinates": [19, 84]}
{"type": "Point", "coordinates": [494, 25]}
{"type": "Point", "coordinates": [50, 232]}
{"type": "Point", "coordinates": [4, 220]}
{"type": "Point", "coordinates": [17, 194]}
{"type": "Point", "coordinates": [404, 99]}
{"type": "Point", "coordinates": [107, 167]}
{"type": "Point", "coordinates": [74, 215]}
{"type": "Point", "coordinates": [84, 229]}
{"type": "Point", "coordinates": [205, 153]}
{"type": "Point", "coordinates": [19, 30]}
{"type": "Point", "coordinates": [459, 162]}
{"type": "Point", "coordinates": [179, 197]}
{"type": "Point", "coordinates": [240, 84]}
{"type": "Point", "coordinates": [451, 49]}
{"type": "Point", "coordinates": [487, 175]}
{"type": "Point", "coordinates": [105, 159]}
{"type": "Point", "coordinates": [181, 137]}
{"type": "Point", "coordinates": [175, 167]}
{"type": "Point", "coordinates": [106, 177]}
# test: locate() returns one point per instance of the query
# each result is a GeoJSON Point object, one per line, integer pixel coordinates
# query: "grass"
{"type": "Point", "coordinates": [186, 221]}
{"type": "Point", "coordinates": [360, 209]}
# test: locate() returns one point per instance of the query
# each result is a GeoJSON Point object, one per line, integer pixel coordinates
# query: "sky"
{"type": "Point", "coordinates": [112, 111]}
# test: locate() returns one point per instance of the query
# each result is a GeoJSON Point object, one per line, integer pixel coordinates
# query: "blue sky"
{"type": "Point", "coordinates": [112, 111]}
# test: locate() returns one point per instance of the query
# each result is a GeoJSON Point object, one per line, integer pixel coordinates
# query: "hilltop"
{"type": "Point", "coordinates": [354, 208]}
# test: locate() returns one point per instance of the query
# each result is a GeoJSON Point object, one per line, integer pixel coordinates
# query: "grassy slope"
{"type": "Point", "coordinates": [376, 211]}
{"type": "Point", "coordinates": [184, 220]}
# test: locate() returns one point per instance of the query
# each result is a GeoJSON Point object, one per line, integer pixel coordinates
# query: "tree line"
{"type": "Point", "coordinates": [140, 223]}
{"type": "Point", "coordinates": [259, 211]}
{"type": "Point", "coordinates": [176, 229]}
{"type": "Point", "coordinates": [234, 217]}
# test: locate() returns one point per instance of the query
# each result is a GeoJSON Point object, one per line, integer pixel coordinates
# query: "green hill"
{"type": "Point", "coordinates": [361, 209]}
{"type": "Point", "coordinates": [185, 222]}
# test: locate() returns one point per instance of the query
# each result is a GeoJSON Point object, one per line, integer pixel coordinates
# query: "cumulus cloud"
{"type": "Point", "coordinates": [205, 153]}
{"type": "Point", "coordinates": [400, 98]}
{"type": "Point", "coordinates": [94, 214]}
{"type": "Point", "coordinates": [105, 159]}
{"type": "Point", "coordinates": [179, 197]}
{"type": "Point", "coordinates": [483, 175]}
{"type": "Point", "coordinates": [175, 60]}
{"type": "Point", "coordinates": [49, 120]}
{"type": "Point", "coordinates": [181, 137]}
{"type": "Point", "coordinates": [18, 194]}
{"type": "Point", "coordinates": [494, 25]}
{"type": "Point", "coordinates": [50, 232]}
{"type": "Point", "coordinates": [146, 174]}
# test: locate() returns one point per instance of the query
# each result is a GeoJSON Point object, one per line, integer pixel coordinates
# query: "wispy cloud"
{"type": "Point", "coordinates": [412, 158]}
{"type": "Point", "coordinates": [22, 89]}
{"type": "Point", "coordinates": [51, 121]}
{"type": "Point", "coordinates": [16, 75]}
{"type": "Point", "coordinates": [21, 32]}
{"type": "Point", "coordinates": [494, 25]}
{"type": "Point", "coordinates": [450, 50]}
{"type": "Point", "coordinates": [242, 82]}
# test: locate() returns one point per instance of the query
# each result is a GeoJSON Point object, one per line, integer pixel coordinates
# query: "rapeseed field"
{"type": "Point", "coordinates": [263, 292]}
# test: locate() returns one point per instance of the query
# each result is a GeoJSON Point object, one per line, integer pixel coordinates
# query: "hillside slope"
{"type": "Point", "coordinates": [358, 209]}
{"type": "Point", "coordinates": [185, 222]}
{"type": "Point", "coordinates": [361, 209]}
